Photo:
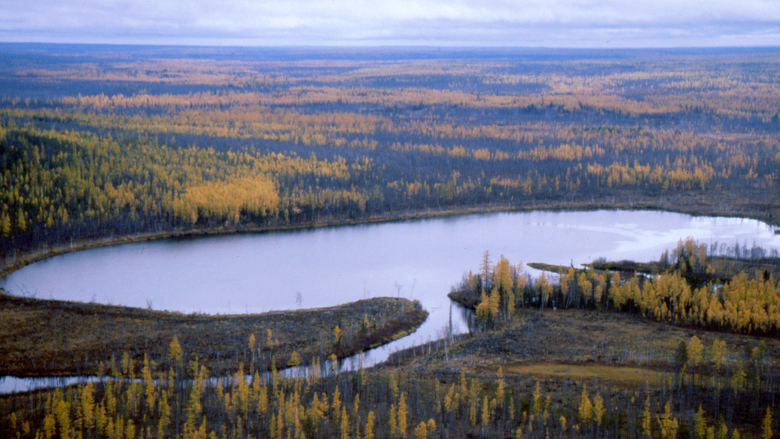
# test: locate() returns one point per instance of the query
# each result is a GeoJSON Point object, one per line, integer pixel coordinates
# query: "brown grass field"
{"type": "Point", "coordinates": [50, 337]}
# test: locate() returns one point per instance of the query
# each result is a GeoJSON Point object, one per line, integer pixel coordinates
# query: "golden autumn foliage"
{"type": "Point", "coordinates": [230, 141]}
{"type": "Point", "coordinates": [228, 199]}
{"type": "Point", "coordinates": [377, 138]}
{"type": "Point", "coordinates": [202, 407]}
{"type": "Point", "coordinates": [744, 303]}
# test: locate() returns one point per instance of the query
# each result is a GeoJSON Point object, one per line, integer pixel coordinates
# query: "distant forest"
{"type": "Point", "coordinates": [99, 141]}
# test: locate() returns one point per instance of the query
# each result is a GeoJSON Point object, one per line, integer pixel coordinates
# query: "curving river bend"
{"type": "Point", "coordinates": [418, 259]}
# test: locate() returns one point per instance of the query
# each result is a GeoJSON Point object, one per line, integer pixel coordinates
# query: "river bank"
{"type": "Point", "coordinates": [680, 204]}
{"type": "Point", "coordinates": [61, 338]}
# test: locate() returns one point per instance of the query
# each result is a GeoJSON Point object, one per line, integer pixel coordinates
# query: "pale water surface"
{"type": "Point", "coordinates": [418, 259]}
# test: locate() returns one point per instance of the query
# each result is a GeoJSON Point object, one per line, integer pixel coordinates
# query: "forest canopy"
{"type": "Point", "coordinates": [93, 144]}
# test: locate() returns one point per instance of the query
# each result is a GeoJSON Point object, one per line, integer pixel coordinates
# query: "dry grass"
{"type": "Point", "coordinates": [50, 337]}
{"type": "Point", "coordinates": [613, 341]}
{"type": "Point", "coordinates": [615, 374]}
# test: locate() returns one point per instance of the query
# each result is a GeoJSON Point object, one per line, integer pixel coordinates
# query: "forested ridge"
{"type": "Point", "coordinates": [93, 145]}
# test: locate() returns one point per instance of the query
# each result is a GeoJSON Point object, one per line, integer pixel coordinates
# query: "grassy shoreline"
{"type": "Point", "coordinates": [30, 257]}
{"type": "Point", "coordinates": [60, 338]}
{"type": "Point", "coordinates": [577, 337]}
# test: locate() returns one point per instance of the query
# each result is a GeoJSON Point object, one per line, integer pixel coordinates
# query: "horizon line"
{"type": "Point", "coordinates": [390, 46]}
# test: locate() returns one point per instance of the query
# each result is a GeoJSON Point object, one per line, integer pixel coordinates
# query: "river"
{"type": "Point", "coordinates": [417, 259]}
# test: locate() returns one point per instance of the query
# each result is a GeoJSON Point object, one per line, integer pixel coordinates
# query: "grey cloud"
{"type": "Point", "coordinates": [433, 22]}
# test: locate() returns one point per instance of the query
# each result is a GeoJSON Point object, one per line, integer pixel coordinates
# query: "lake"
{"type": "Point", "coordinates": [419, 259]}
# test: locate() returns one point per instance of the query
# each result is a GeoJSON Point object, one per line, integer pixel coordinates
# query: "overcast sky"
{"type": "Point", "coordinates": [552, 23]}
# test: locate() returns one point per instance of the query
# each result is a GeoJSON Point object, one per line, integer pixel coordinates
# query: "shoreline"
{"type": "Point", "coordinates": [27, 258]}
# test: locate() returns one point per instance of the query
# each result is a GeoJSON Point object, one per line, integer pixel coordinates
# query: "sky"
{"type": "Point", "coordinates": [529, 23]}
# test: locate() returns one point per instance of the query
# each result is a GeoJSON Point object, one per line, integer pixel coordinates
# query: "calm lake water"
{"type": "Point", "coordinates": [418, 259]}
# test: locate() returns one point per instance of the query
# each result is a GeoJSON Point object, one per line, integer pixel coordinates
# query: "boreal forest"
{"type": "Point", "coordinates": [104, 145]}
{"type": "Point", "coordinates": [97, 142]}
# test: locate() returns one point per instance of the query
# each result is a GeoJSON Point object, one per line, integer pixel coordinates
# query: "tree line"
{"type": "Point", "coordinates": [280, 145]}
{"type": "Point", "coordinates": [747, 303]}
